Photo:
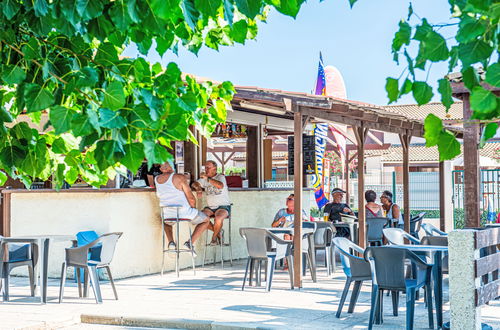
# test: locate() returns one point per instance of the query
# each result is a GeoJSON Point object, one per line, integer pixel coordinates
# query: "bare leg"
{"type": "Point", "coordinates": [199, 229]}
{"type": "Point", "coordinates": [220, 215]}
{"type": "Point", "coordinates": [209, 214]}
{"type": "Point", "coordinates": [168, 232]}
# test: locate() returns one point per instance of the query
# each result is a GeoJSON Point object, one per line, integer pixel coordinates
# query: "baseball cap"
{"type": "Point", "coordinates": [336, 190]}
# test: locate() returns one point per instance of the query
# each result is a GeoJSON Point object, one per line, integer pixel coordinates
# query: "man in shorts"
{"type": "Point", "coordinates": [217, 194]}
{"type": "Point", "coordinates": [173, 189]}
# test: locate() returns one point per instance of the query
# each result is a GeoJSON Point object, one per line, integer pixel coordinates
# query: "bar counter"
{"type": "Point", "coordinates": [133, 211]}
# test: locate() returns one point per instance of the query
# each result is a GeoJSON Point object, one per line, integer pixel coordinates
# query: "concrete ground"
{"type": "Point", "coordinates": [210, 300]}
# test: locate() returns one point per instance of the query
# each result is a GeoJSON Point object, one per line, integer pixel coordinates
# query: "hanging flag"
{"type": "Point", "coordinates": [320, 80]}
{"type": "Point", "coordinates": [320, 134]}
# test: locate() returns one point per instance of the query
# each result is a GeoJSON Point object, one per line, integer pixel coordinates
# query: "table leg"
{"type": "Point", "coordinates": [438, 287]}
{"type": "Point", "coordinates": [45, 269]}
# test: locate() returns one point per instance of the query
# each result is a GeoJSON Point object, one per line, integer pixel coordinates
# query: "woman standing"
{"type": "Point", "coordinates": [392, 210]}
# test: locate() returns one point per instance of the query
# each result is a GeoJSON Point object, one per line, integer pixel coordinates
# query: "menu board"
{"type": "Point", "coordinates": [308, 151]}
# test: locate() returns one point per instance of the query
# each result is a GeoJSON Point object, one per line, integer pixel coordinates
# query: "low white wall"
{"type": "Point", "coordinates": [136, 214]}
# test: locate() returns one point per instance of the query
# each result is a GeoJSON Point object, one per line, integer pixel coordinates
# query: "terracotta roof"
{"type": "Point", "coordinates": [420, 153]}
{"type": "Point", "coordinates": [414, 111]}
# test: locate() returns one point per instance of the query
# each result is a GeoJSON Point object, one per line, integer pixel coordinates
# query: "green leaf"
{"type": "Point", "coordinates": [61, 117]}
{"type": "Point", "coordinates": [11, 156]}
{"type": "Point", "coordinates": [422, 92]}
{"type": "Point", "coordinates": [155, 153]}
{"type": "Point", "coordinates": [164, 9]}
{"type": "Point", "coordinates": [37, 98]}
{"type": "Point", "coordinates": [352, 2]}
{"type": "Point", "coordinates": [473, 52]}
{"type": "Point", "coordinates": [433, 47]}
{"type": "Point", "coordinates": [489, 132]}
{"type": "Point", "coordinates": [114, 96]}
{"type": "Point", "coordinates": [208, 7]}
{"type": "Point", "coordinates": [445, 90]}
{"type": "Point", "coordinates": [59, 146]}
{"type": "Point", "coordinates": [448, 146]}
{"type": "Point", "coordinates": [134, 155]}
{"type": "Point", "coordinates": [229, 11]}
{"type": "Point", "coordinates": [239, 31]}
{"type": "Point", "coordinates": [41, 7]}
{"type": "Point", "coordinates": [12, 74]}
{"type": "Point", "coordinates": [392, 88]}
{"type": "Point", "coordinates": [3, 178]}
{"type": "Point", "coordinates": [406, 88]}
{"type": "Point", "coordinates": [120, 15]}
{"type": "Point", "coordinates": [10, 8]}
{"type": "Point", "coordinates": [493, 75]}
{"type": "Point", "coordinates": [402, 36]}
{"type": "Point", "coordinates": [111, 119]}
{"type": "Point", "coordinates": [89, 9]}
{"type": "Point", "coordinates": [5, 115]}
{"type": "Point", "coordinates": [191, 15]}
{"type": "Point", "coordinates": [80, 125]}
{"type": "Point", "coordinates": [106, 54]}
{"type": "Point", "coordinates": [31, 50]}
{"type": "Point", "coordinates": [470, 29]}
{"type": "Point", "coordinates": [249, 8]}
{"type": "Point", "coordinates": [470, 77]}
{"type": "Point", "coordinates": [287, 7]}
{"type": "Point", "coordinates": [482, 100]}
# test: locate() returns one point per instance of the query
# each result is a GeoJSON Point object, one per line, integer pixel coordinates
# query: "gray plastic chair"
{"type": "Point", "coordinates": [388, 266]}
{"type": "Point", "coordinates": [374, 233]}
{"type": "Point", "coordinates": [325, 231]}
{"type": "Point", "coordinates": [431, 230]}
{"type": "Point", "coordinates": [19, 254]}
{"type": "Point", "coordinates": [309, 259]}
{"type": "Point", "coordinates": [356, 270]}
{"type": "Point", "coordinates": [416, 223]}
{"type": "Point", "coordinates": [396, 236]}
{"type": "Point", "coordinates": [78, 257]}
{"type": "Point", "coordinates": [440, 241]}
{"type": "Point", "coordinates": [259, 249]}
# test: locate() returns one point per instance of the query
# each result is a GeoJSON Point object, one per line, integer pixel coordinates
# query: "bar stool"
{"type": "Point", "coordinates": [175, 221]}
{"type": "Point", "coordinates": [223, 242]}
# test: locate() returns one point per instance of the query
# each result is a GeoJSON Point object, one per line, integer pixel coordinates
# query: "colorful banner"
{"type": "Point", "coordinates": [320, 135]}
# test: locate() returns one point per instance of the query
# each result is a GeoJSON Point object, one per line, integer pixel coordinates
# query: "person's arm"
{"type": "Point", "coordinates": [216, 183]}
{"type": "Point", "coordinates": [396, 212]}
{"type": "Point", "coordinates": [196, 186]}
{"type": "Point", "coordinates": [185, 188]}
{"type": "Point", "coordinates": [151, 181]}
{"type": "Point", "coordinates": [278, 220]}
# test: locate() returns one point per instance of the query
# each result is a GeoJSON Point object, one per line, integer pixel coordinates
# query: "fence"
{"type": "Point", "coordinates": [489, 196]}
{"type": "Point", "coordinates": [424, 189]}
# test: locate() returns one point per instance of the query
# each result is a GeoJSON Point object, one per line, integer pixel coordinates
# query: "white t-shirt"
{"type": "Point", "coordinates": [216, 197]}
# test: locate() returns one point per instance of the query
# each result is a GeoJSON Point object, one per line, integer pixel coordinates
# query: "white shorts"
{"type": "Point", "coordinates": [195, 215]}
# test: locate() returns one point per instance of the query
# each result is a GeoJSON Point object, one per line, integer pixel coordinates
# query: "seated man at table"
{"type": "Point", "coordinates": [173, 189]}
{"type": "Point", "coordinates": [336, 208]}
{"type": "Point", "coordinates": [285, 216]}
{"type": "Point", "coordinates": [219, 205]}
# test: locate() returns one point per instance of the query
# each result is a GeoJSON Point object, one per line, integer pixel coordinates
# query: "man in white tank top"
{"type": "Point", "coordinates": [173, 189]}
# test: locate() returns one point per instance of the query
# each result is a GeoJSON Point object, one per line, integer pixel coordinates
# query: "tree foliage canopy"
{"type": "Point", "coordinates": [61, 61]}
{"type": "Point", "coordinates": [473, 51]}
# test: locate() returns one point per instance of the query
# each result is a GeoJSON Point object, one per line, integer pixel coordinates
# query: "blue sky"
{"type": "Point", "coordinates": [285, 54]}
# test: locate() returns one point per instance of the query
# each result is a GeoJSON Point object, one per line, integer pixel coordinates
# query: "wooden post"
{"type": "Point", "coordinates": [268, 159]}
{"type": "Point", "coordinates": [6, 199]}
{"type": "Point", "coordinates": [252, 158]}
{"type": "Point", "coordinates": [297, 185]}
{"type": "Point", "coordinates": [405, 143]}
{"type": "Point", "coordinates": [472, 187]}
{"type": "Point", "coordinates": [346, 175]}
{"type": "Point", "coordinates": [360, 133]}
{"type": "Point", "coordinates": [442, 203]}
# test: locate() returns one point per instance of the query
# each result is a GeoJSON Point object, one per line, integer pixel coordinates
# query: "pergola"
{"type": "Point", "coordinates": [306, 108]}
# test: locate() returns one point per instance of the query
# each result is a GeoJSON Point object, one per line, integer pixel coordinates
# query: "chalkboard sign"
{"type": "Point", "coordinates": [309, 155]}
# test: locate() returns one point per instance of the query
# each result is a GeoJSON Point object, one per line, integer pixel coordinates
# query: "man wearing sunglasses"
{"type": "Point", "coordinates": [284, 217]}
{"type": "Point", "coordinates": [336, 208]}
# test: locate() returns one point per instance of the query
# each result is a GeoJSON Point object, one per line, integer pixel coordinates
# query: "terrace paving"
{"type": "Point", "coordinates": [210, 300]}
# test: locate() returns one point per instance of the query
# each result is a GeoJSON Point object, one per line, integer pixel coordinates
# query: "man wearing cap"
{"type": "Point", "coordinates": [173, 189]}
{"type": "Point", "coordinates": [335, 208]}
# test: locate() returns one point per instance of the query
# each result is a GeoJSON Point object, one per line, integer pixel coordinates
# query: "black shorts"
{"type": "Point", "coordinates": [221, 207]}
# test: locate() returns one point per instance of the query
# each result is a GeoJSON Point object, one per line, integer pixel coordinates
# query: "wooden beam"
{"type": "Point", "coordinates": [305, 120]}
{"type": "Point", "coordinates": [337, 118]}
{"type": "Point", "coordinates": [442, 203]}
{"type": "Point", "coordinates": [405, 143]}
{"type": "Point", "coordinates": [297, 184]}
{"type": "Point", "coordinates": [6, 202]}
{"type": "Point", "coordinates": [472, 187]}
{"type": "Point", "coordinates": [360, 133]}
{"type": "Point", "coordinates": [252, 156]}
{"type": "Point", "coordinates": [268, 159]}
